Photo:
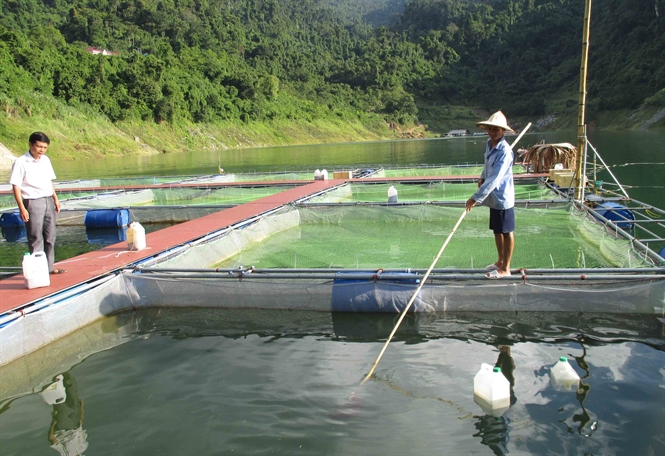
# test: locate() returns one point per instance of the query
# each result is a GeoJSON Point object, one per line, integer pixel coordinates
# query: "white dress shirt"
{"type": "Point", "coordinates": [33, 177]}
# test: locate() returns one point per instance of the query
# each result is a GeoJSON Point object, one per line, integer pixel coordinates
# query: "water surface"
{"type": "Point", "coordinates": [181, 382]}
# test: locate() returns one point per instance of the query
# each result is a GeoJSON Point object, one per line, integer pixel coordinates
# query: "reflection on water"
{"type": "Point", "coordinates": [15, 234]}
{"type": "Point", "coordinates": [106, 236]}
{"type": "Point", "coordinates": [494, 432]}
{"type": "Point", "coordinates": [66, 433]}
{"type": "Point", "coordinates": [207, 381]}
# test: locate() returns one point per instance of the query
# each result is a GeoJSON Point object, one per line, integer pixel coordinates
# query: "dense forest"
{"type": "Point", "coordinates": [207, 61]}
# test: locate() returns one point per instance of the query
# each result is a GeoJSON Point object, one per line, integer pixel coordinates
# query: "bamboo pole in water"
{"type": "Point", "coordinates": [422, 281]}
{"type": "Point", "coordinates": [413, 298]}
{"type": "Point", "coordinates": [581, 126]}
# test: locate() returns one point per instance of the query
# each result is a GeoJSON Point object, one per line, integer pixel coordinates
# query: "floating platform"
{"type": "Point", "coordinates": [333, 245]}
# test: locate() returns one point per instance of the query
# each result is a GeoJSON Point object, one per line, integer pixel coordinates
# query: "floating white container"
{"type": "Point", "coordinates": [490, 409]}
{"type": "Point", "coordinates": [136, 236]}
{"type": "Point", "coordinates": [392, 194]}
{"type": "Point", "coordinates": [491, 389]}
{"type": "Point", "coordinates": [564, 376]}
{"type": "Point", "coordinates": [35, 270]}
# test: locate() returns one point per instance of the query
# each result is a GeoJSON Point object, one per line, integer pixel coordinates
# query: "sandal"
{"type": "Point", "coordinates": [491, 267]}
{"type": "Point", "coordinates": [58, 271]}
{"type": "Point", "coordinates": [496, 274]}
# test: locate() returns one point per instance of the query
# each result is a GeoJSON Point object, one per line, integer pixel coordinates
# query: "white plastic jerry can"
{"type": "Point", "coordinates": [492, 387]}
{"type": "Point", "coordinates": [392, 194]}
{"type": "Point", "coordinates": [136, 236]}
{"type": "Point", "coordinates": [563, 375]}
{"type": "Point", "coordinates": [324, 174]}
{"type": "Point", "coordinates": [317, 175]}
{"type": "Point", "coordinates": [35, 270]}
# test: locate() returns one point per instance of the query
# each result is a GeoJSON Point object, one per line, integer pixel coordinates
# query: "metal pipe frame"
{"type": "Point", "coordinates": [408, 272]}
{"type": "Point", "coordinates": [479, 276]}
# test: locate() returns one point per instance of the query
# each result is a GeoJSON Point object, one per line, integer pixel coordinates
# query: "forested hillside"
{"type": "Point", "coordinates": [524, 55]}
{"type": "Point", "coordinates": [208, 61]}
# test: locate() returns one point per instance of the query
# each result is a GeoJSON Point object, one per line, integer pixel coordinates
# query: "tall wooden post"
{"type": "Point", "coordinates": [581, 125]}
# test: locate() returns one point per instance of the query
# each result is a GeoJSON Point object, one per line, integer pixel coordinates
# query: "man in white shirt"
{"type": "Point", "coordinates": [32, 181]}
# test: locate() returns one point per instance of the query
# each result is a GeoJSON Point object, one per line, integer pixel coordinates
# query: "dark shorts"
{"type": "Point", "coordinates": [502, 221]}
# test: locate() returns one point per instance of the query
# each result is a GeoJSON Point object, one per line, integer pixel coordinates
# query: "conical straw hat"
{"type": "Point", "coordinates": [496, 120]}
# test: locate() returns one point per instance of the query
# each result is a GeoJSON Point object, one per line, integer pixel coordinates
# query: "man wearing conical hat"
{"type": "Point", "coordinates": [496, 190]}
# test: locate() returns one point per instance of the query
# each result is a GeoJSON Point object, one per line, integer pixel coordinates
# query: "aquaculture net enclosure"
{"type": "Point", "coordinates": [177, 204]}
{"type": "Point", "coordinates": [451, 170]}
{"type": "Point", "coordinates": [425, 191]}
{"type": "Point", "coordinates": [370, 237]}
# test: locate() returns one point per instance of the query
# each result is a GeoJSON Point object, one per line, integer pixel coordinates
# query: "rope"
{"type": "Point", "coordinates": [116, 255]}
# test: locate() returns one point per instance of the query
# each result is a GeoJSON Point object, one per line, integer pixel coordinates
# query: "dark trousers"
{"type": "Point", "coordinates": [41, 227]}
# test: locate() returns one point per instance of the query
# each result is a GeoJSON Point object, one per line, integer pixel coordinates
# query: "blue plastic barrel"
{"type": "Point", "coordinates": [616, 213]}
{"type": "Point", "coordinates": [14, 233]}
{"type": "Point", "coordinates": [106, 218]}
{"type": "Point", "coordinates": [106, 236]}
{"type": "Point", "coordinates": [11, 220]}
{"type": "Point", "coordinates": [662, 252]}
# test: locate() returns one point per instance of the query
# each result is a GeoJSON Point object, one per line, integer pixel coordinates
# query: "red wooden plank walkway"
{"type": "Point", "coordinates": [83, 268]}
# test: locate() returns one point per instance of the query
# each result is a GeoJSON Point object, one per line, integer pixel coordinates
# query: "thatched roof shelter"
{"type": "Point", "coordinates": [543, 157]}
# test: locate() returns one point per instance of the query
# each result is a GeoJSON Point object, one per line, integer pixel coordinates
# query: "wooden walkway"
{"type": "Point", "coordinates": [92, 265]}
{"type": "Point", "coordinates": [84, 268]}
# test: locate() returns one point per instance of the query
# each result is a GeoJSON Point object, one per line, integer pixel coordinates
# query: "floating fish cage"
{"type": "Point", "coordinates": [303, 256]}
{"type": "Point", "coordinates": [347, 249]}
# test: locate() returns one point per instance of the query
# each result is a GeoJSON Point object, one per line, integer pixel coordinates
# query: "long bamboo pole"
{"type": "Point", "coordinates": [413, 298]}
{"type": "Point", "coordinates": [581, 125]}
{"type": "Point", "coordinates": [422, 281]}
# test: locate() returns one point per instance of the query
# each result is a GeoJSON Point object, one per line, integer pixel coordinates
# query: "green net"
{"type": "Point", "coordinates": [227, 195]}
{"type": "Point", "coordinates": [421, 171]}
{"type": "Point", "coordinates": [178, 196]}
{"type": "Point", "coordinates": [274, 177]}
{"type": "Point", "coordinates": [451, 170]}
{"type": "Point", "coordinates": [431, 191]}
{"type": "Point", "coordinates": [8, 201]}
{"type": "Point", "coordinates": [137, 181]}
{"type": "Point", "coordinates": [411, 236]}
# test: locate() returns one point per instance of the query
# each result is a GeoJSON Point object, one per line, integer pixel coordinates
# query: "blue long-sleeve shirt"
{"type": "Point", "coordinates": [497, 190]}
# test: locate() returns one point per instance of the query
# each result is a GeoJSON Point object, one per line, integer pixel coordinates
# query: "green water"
{"type": "Point", "coordinates": [356, 237]}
